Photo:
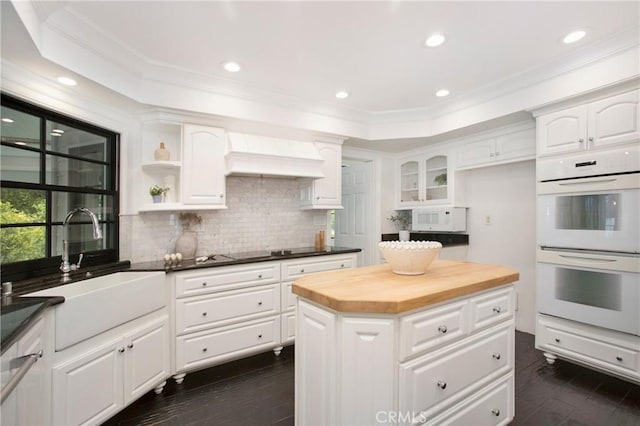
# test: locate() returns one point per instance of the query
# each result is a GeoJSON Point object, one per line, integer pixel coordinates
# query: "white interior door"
{"type": "Point", "coordinates": [353, 222]}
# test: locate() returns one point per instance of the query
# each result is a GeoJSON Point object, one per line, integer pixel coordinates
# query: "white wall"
{"type": "Point", "coordinates": [507, 196]}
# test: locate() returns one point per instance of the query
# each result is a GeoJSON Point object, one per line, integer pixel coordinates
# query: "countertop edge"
{"type": "Point", "coordinates": [20, 330]}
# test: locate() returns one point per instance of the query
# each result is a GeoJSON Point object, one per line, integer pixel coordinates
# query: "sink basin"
{"type": "Point", "coordinates": [98, 304]}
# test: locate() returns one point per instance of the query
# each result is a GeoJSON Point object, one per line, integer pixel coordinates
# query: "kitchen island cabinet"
{"type": "Point", "coordinates": [374, 347]}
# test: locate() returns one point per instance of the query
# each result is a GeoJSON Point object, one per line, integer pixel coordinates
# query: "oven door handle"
{"type": "Point", "coordinates": [588, 260]}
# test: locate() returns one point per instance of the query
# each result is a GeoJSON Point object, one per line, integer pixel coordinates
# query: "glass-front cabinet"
{"type": "Point", "coordinates": [423, 180]}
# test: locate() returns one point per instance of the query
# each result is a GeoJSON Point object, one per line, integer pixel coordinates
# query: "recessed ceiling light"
{"type": "Point", "coordinates": [573, 36]}
{"type": "Point", "coordinates": [67, 81]}
{"type": "Point", "coordinates": [434, 40]}
{"type": "Point", "coordinates": [232, 66]}
{"type": "Point", "coordinates": [442, 92]}
{"type": "Point", "coordinates": [342, 94]}
{"type": "Point", "coordinates": [7, 120]}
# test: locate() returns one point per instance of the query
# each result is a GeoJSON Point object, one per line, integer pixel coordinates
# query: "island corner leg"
{"type": "Point", "coordinates": [158, 389]}
{"type": "Point", "coordinates": [179, 378]}
{"type": "Point", "coordinates": [277, 350]}
{"type": "Point", "coordinates": [551, 358]}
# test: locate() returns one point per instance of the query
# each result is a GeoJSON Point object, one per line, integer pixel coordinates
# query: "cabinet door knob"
{"type": "Point", "coordinates": [260, 303]}
{"type": "Point", "coordinates": [496, 356]}
{"type": "Point", "coordinates": [130, 345]}
{"type": "Point", "coordinates": [441, 384]}
{"type": "Point", "coordinates": [259, 336]}
{"type": "Point", "coordinates": [204, 284]}
{"type": "Point", "coordinates": [204, 349]}
{"type": "Point", "coordinates": [497, 309]}
{"type": "Point", "coordinates": [497, 153]}
{"type": "Point", "coordinates": [259, 276]}
{"type": "Point", "coordinates": [557, 340]}
{"type": "Point", "coordinates": [221, 195]}
{"type": "Point", "coordinates": [204, 314]}
{"type": "Point", "coordinates": [495, 412]}
{"type": "Point", "coordinates": [619, 358]}
{"type": "Point", "coordinates": [342, 265]}
{"type": "Point", "coordinates": [442, 329]}
{"type": "Point", "coordinates": [121, 350]}
{"type": "Point", "coordinates": [301, 271]}
{"type": "Point", "coordinates": [590, 138]}
{"type": "Point", "coordinates": [491, 154]}
{"type": "Point", "coordinates": [581, 140]}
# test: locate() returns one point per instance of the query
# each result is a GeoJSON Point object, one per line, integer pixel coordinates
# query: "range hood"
{"type": "Point", "coordinates": [261, 155]}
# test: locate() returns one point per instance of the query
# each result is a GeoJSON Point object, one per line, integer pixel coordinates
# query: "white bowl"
{"type": "Point", "coordinates": [410, 257]}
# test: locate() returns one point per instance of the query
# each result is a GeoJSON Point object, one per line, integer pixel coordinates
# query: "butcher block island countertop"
{"type": "Point", "coordinates": [376, 289]}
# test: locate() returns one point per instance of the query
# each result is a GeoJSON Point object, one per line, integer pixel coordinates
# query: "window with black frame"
{"type": "Point", "coordinates": [51, 164]}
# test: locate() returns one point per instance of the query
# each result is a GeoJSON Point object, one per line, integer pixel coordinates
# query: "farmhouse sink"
{"type": "Point", "coordinates": [98, 304]}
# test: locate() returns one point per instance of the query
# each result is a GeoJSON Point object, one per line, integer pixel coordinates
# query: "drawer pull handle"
{"type": "Point", "coordinates": [557, 340]}
{"type": "Point", "coordinates": [495, 412]}
{"type": "Point", "coordinates": [204, 314]}
{"type": "Point", "coordinates": [619, 358]}
{"type": "Point", "coordinates": [259, 303]}
{"type": "Point", "coordinates": [121, 350]}
{"type": "Point", "coordinates": [441, 384]}
{"type": "Point", "coordinates": [130, 345]}
{"type": "Point", "coordinates": [204, 284]}
{"type": "Point", "coordinates": [442, 329]}
{"type": "Point", "coordinates": [204, 349]}
{"type": "Point", "coordinates": [496, 356]}
{"type": "Point", "coordinates": [259, 336]}
{"type": "Point", "coordinates": [497, 309]}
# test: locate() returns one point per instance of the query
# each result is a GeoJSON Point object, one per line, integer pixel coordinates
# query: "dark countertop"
{"type": "Point", "coordinates": [19, 314]}
{"type": "Point", "coordinates": [445, 238]}
{"type": "Point", "coordinates": [241, 258]}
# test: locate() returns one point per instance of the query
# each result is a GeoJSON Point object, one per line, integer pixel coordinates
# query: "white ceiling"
{"type": "Point", "coordinates": [299, 53]}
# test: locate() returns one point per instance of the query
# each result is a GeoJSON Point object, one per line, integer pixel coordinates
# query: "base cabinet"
{"type": "Point", "coordinates": [93, 386]}
{"type": "Point", "coordinates": [363, 369]}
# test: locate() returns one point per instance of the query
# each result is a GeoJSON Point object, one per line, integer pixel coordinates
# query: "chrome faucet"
{"type": "Point", "coordinates": [66, 267]}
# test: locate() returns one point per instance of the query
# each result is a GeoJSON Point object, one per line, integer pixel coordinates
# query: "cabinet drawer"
{"type": "Point", "coordinates": [295, 269]}
{"type": "Point", "coordinates": [199, 350]}
{"type": "Point", "coordinates": [288, 298]}
{"type": "Point", "coordinates": [572, 343]}
{"type": "Point", "coordinates": [424, 330]}
{"type": "Point", "coordinates": [221, 279]}
{"type": "Point", "coordinates": [491, 308]}
{"type": "Point", "coordinates": [490, 406]}
{"type": "Point", "coordinates": [197, 313]}
{"type": "Point", "coordinates": [456, 372]}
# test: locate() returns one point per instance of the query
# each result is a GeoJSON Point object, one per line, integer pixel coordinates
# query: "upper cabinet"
{"type": "Point", "coordinates": [425, 179]}
{"type": "Point", "coordinates": [326, 192]}
{"type": "Point", "coordinates": [610, 121]}
{"type": "Point", "coordinates": [192, 170]}
{"type": "Point", "coordinates": [514, 145]}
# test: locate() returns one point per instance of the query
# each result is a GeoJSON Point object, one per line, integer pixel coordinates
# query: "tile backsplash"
{"type": "Point", "coordinates": [262, 214]}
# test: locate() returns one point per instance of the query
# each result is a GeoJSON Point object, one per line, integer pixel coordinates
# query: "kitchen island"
{"type": "Point", "coordinates": [374, 347]}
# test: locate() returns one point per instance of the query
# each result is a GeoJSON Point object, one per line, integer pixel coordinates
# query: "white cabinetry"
{"type": "Point", "coordinates": [94, 384]}
{"type": "Point", "coordinates": [501, 148]}
{"type": "Point", "coordinates": [195, 172]}
{"type": "Point", "coordinates": [605, 122]}
{"type": "Point", "coordinates": [606, 350]}
{"type": "Point", "coordinates": [453, 361]}
{"type": "Point", "coordinates": [28, 403]}
{"type": "Point", "coordinates": [326, 192]}
{"type": "Point", "coordinates": [425, 180]}
{"type": "Point", "coordinates": [225, 313]}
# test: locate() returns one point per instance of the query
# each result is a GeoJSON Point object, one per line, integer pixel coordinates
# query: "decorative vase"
{"type": "Point", "coordinates": [404, 235]}
{"type": "Point", "coordinates": [187, 244]}
{"type": "Point", "coordinates": [162, 154]}
{"type": "Point", "coordinates": [157, 198]}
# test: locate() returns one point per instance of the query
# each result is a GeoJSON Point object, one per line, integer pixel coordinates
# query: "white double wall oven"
{"type": "Point", "coordinates": [589, 238]}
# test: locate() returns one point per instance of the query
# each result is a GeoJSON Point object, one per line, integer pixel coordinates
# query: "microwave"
{"type": "Point", "coordinates": [453, 219]}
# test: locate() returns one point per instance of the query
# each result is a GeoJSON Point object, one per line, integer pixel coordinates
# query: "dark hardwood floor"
{"type": "Point", "coordinates": [259, 391]}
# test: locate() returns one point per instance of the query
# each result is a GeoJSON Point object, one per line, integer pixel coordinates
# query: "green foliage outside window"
{"type": "Point", "coordinates": [26, 242]}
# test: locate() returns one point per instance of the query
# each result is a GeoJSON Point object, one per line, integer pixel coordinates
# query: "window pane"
{"type": "Point", "coordinates": [21, 129]}
{"type": "Point", "coordinates": [22, 206]}
{"type": "Point", "coordinates": [81, 237]}
{"type": "Point", "coordinates": [79, 143]}
{"type": "Point", "coordinates": [63, 202]}
{"type": "Point", "coordinates": [23, 243]}
{"type": "Point", "coordinates": [19, 165]}
{"type": "Point", "coordinates": [76, 173]}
